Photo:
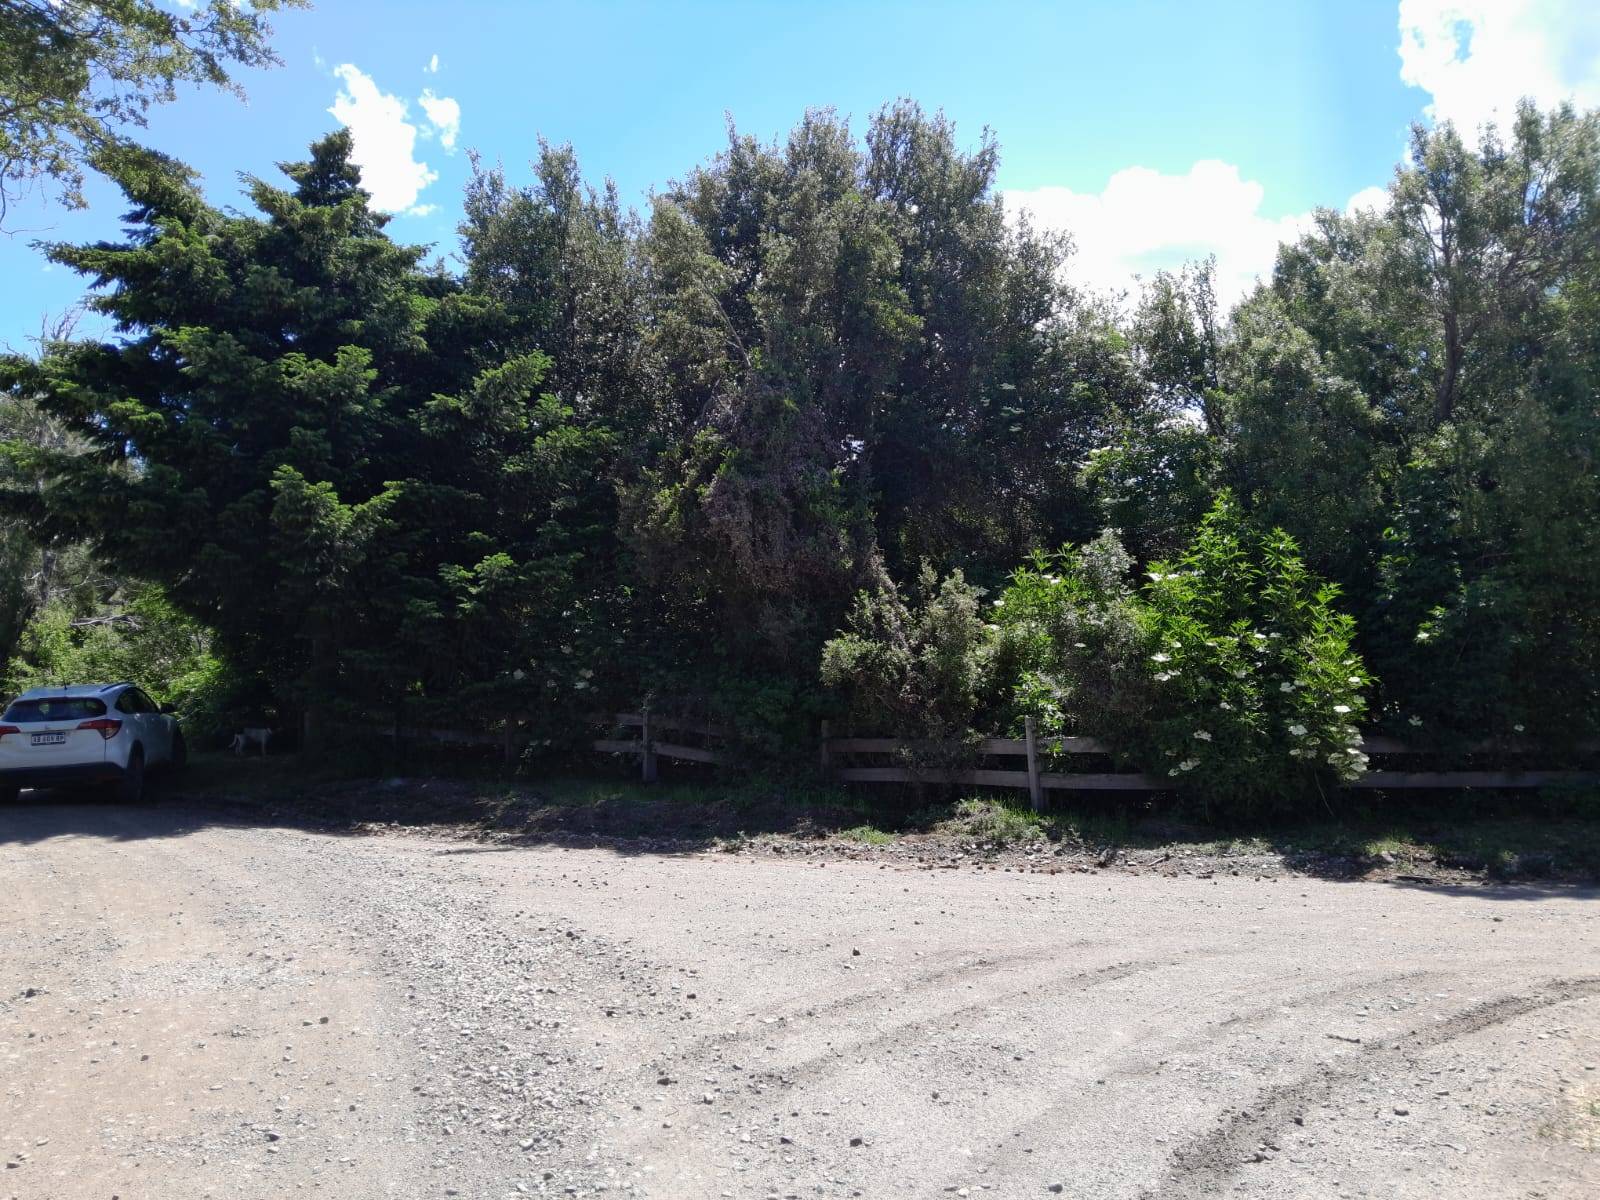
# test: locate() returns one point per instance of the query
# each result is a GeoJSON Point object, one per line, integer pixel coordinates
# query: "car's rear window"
{"type": "Point", "coordinates": [55, 708]}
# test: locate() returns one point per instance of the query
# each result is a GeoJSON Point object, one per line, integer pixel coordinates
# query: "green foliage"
{"type": "Point", "coordinates": [867, 835]}
{"type": "Point", "coordinates": [1069, 627]}
{"type": "Point", "coordinates": [861, 364]}
{"type": "Point", "coordinates": [917, 666]}
{"type": "Point", "coordinates": [995, 823]}
{"type": "Point", "coordinates": [146, 640]}
{"type": "Point", "coordinates": [1413, 400]}
{"type": "Point", "coordinates": [76, 73]}
{"type": "Point", "coordinates": [1153, 483]}
{"type": "Point", "coordinates": [36, 572]}
{"type": "Point", "coordinates": [1480, 632]}
{"type": "Point", "coordinates": [780, 422]}
{"type": "Point", "coordinates": [1228, 673]}
{"type": "Point", "coordinates": [316, 448]}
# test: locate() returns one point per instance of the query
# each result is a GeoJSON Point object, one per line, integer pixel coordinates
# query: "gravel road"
{"type": "Point", "coordinates": [193, 1008]}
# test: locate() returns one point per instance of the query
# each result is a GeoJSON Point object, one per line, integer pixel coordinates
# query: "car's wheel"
{"type": "Point", "coordinates": [131, 789]}
{"type": "Point", "coordinates": [180, 751]}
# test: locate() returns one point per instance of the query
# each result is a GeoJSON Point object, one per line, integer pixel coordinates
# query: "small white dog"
{"type": "Point", "coordinates": [243, 740]}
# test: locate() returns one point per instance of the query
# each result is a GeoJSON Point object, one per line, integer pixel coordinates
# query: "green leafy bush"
{"type": "Point", "coordinates": [145, 640]}
{"type": "Point", "coordinates": [1069, 625]}
{"type": "Point", "coordinates": [1228, 673]}
{"type": "Point", "coordinates": [918, 668]}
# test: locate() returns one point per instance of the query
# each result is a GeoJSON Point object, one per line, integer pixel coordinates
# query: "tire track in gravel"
{"type": "Point", "coordinates": [1149, 1042]}
{"type": "Point", "coordinates": [1206, 1164]}
{"type": "Point", "coordinates": [963, 1053]}
{"type": "Point", "coordinates": [1055, 987]}
{"type": "Point", "coordinates": [870, 999]}
{"type": "Point", "coordinates": [770, 1092]}
{"type": "Point", "coordinates": [819, 1065]}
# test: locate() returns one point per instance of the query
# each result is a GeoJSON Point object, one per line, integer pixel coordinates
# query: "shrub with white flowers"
{"type": "Point", "coordinates": [1228, 672]}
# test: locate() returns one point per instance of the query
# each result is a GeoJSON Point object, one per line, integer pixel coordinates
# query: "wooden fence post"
{"type": "Point", "coordinates": [1035, 792]}
{"type": "Point", "coordinates": [827, 765]}
{"type": "Point", "coordinates": [647, 750]}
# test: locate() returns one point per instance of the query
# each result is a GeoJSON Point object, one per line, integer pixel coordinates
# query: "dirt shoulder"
{"type": "Point", "coordinates": [1456, 846]}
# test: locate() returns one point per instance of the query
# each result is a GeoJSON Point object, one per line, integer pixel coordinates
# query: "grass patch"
{"type": "Point", "coordinates": [867, 835]}
{"type": "Point", "coordinates": [994, 822]}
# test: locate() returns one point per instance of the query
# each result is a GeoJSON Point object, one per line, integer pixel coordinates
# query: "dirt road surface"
{"type": "Point", "coordinates": [192, 1008]}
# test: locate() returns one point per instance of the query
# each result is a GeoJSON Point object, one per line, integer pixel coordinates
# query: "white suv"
{"type": "Point", "coordinates": [85, 734]}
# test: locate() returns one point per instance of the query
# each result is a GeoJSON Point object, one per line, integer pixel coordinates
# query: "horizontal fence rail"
{"type": "Point", "coordinates": [1037, 781]}
{"type": "Point", "coordinates": [836, 754]}
{"type": "Point", "coordinates": [835, 751]}
{"type": "Point", "coordinates": [649, 749]}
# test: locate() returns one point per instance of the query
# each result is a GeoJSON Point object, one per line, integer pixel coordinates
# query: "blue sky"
{"type": "Point", "coordinates": [1153, 131]}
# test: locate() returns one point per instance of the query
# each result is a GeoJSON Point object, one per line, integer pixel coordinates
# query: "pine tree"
{"type": "Point", "coordinates": [304, 437]}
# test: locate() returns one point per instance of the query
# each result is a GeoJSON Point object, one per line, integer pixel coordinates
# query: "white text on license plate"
{"type": "Point", "coordinates": [47, 739]}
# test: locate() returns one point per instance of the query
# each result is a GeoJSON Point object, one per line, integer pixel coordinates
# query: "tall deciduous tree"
{"type": "Point", "coordinates": [863, 363]}
{"type": "Point", "coordinates": [1413, 398]}
{"type": "Point", "coordinates": [75, 74]}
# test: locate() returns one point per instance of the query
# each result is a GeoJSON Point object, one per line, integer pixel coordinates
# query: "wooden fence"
{"type": "Point", "coordinates": [1041, 751]}
{"type": "Point", "coordinates": [664, 737]}
{"type": "Point", "coordinates": [649, 749]}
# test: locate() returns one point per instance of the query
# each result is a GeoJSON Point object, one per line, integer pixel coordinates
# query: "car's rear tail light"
{"type": "Point", "coordinates": [5, 729]}
{"type": "Point", "coordinates": [107, 727]}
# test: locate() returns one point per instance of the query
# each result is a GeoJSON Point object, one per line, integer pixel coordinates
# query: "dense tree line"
{"type": "Point", "coordinates": [799, 436]}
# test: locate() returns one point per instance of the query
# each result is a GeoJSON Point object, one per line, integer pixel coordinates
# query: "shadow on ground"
{"type": "Point", "coordinates": [1447, 847]}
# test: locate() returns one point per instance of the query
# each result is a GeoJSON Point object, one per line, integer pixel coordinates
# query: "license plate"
{"type": "Point", "coordinates": [47, 739]}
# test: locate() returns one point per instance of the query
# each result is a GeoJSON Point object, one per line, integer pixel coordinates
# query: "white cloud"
{"type": "Point", "coordinates": [433, 65]}
{"type": "Point", "coordinates": [385, 141]}
{"type": "Point", "coordinates": [1477, 58]}
{"type": "Point", "coordinates": [1144, 222]}
{"type": "Point", "coordinates": [1368, 199]}
{"type": "Point", "coordinates": [444, 114]}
